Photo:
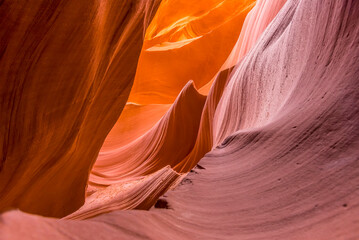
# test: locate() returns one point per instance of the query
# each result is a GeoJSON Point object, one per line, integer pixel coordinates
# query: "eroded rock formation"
{"type": "Point", "coordinates": [63, 65]}
{"type": "Point", "coordinates": [278, 125]}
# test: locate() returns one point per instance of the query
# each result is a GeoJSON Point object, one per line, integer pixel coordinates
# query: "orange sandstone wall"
{"type": "Point", "coordinates": [186, 41]}
{"type": "Point", "coordinates": [67, 68]}
{"type": "Point", "coordinates": [285, 144]}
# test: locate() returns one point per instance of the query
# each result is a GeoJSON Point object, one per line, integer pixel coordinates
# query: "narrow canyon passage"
{"type": "Point", "coordinates": [171, 120]}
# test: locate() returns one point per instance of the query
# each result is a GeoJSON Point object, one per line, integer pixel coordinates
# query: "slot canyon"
{"type": "Point", "coordinates": [179, 119]}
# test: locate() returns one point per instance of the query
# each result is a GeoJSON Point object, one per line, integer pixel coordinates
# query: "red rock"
{"type": "Point", "coordinates": [282, 132]}
{"type": "Point", "coordinates": [66, 70]}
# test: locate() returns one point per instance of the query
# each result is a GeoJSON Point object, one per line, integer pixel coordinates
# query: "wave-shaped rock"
{"type": "Point", "coordinates": [141, 193]}
{"type": "Point", "coordinates": [167, 143]}
{"type": "Point", "coordinates": [258, 18]}
{"type": "Point", "coordinates": [285, 159]}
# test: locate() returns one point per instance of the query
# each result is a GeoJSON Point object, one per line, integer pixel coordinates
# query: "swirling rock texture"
{"type": "Point", "coordinates": [114, 156]}
{"type": "Point", "coordinates": [177, 38]}
{"type": "Point", "coordinates": [278, 128]}
{"type": "Point", "coordinates": [63, 64]}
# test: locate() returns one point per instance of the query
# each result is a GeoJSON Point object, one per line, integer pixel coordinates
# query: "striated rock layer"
{"type": "Point", "coordinates": [190, 44]}
{"type": "Point", "coordinates": [117, 160]}
{"type": "Point", "coordinates": [63, 64]}
{"type": "Point", "coordinates": [167, 143]}
{"type": "Point", "coordinates": [141, 193]}
{"type": "Point", "coordinates": [285, 133]}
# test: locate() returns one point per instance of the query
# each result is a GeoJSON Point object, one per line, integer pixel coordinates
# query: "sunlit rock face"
{"type": "Point", "coordinates": [117, 156]}
{"type": "Point", "coordinates": [174, 41]}
{"type": "Point", "coordinates": [203, 33]}
{"type": "Point", "coordinates": [63, 65]}
{"type": "Point", "coordinates": [242, 122]}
